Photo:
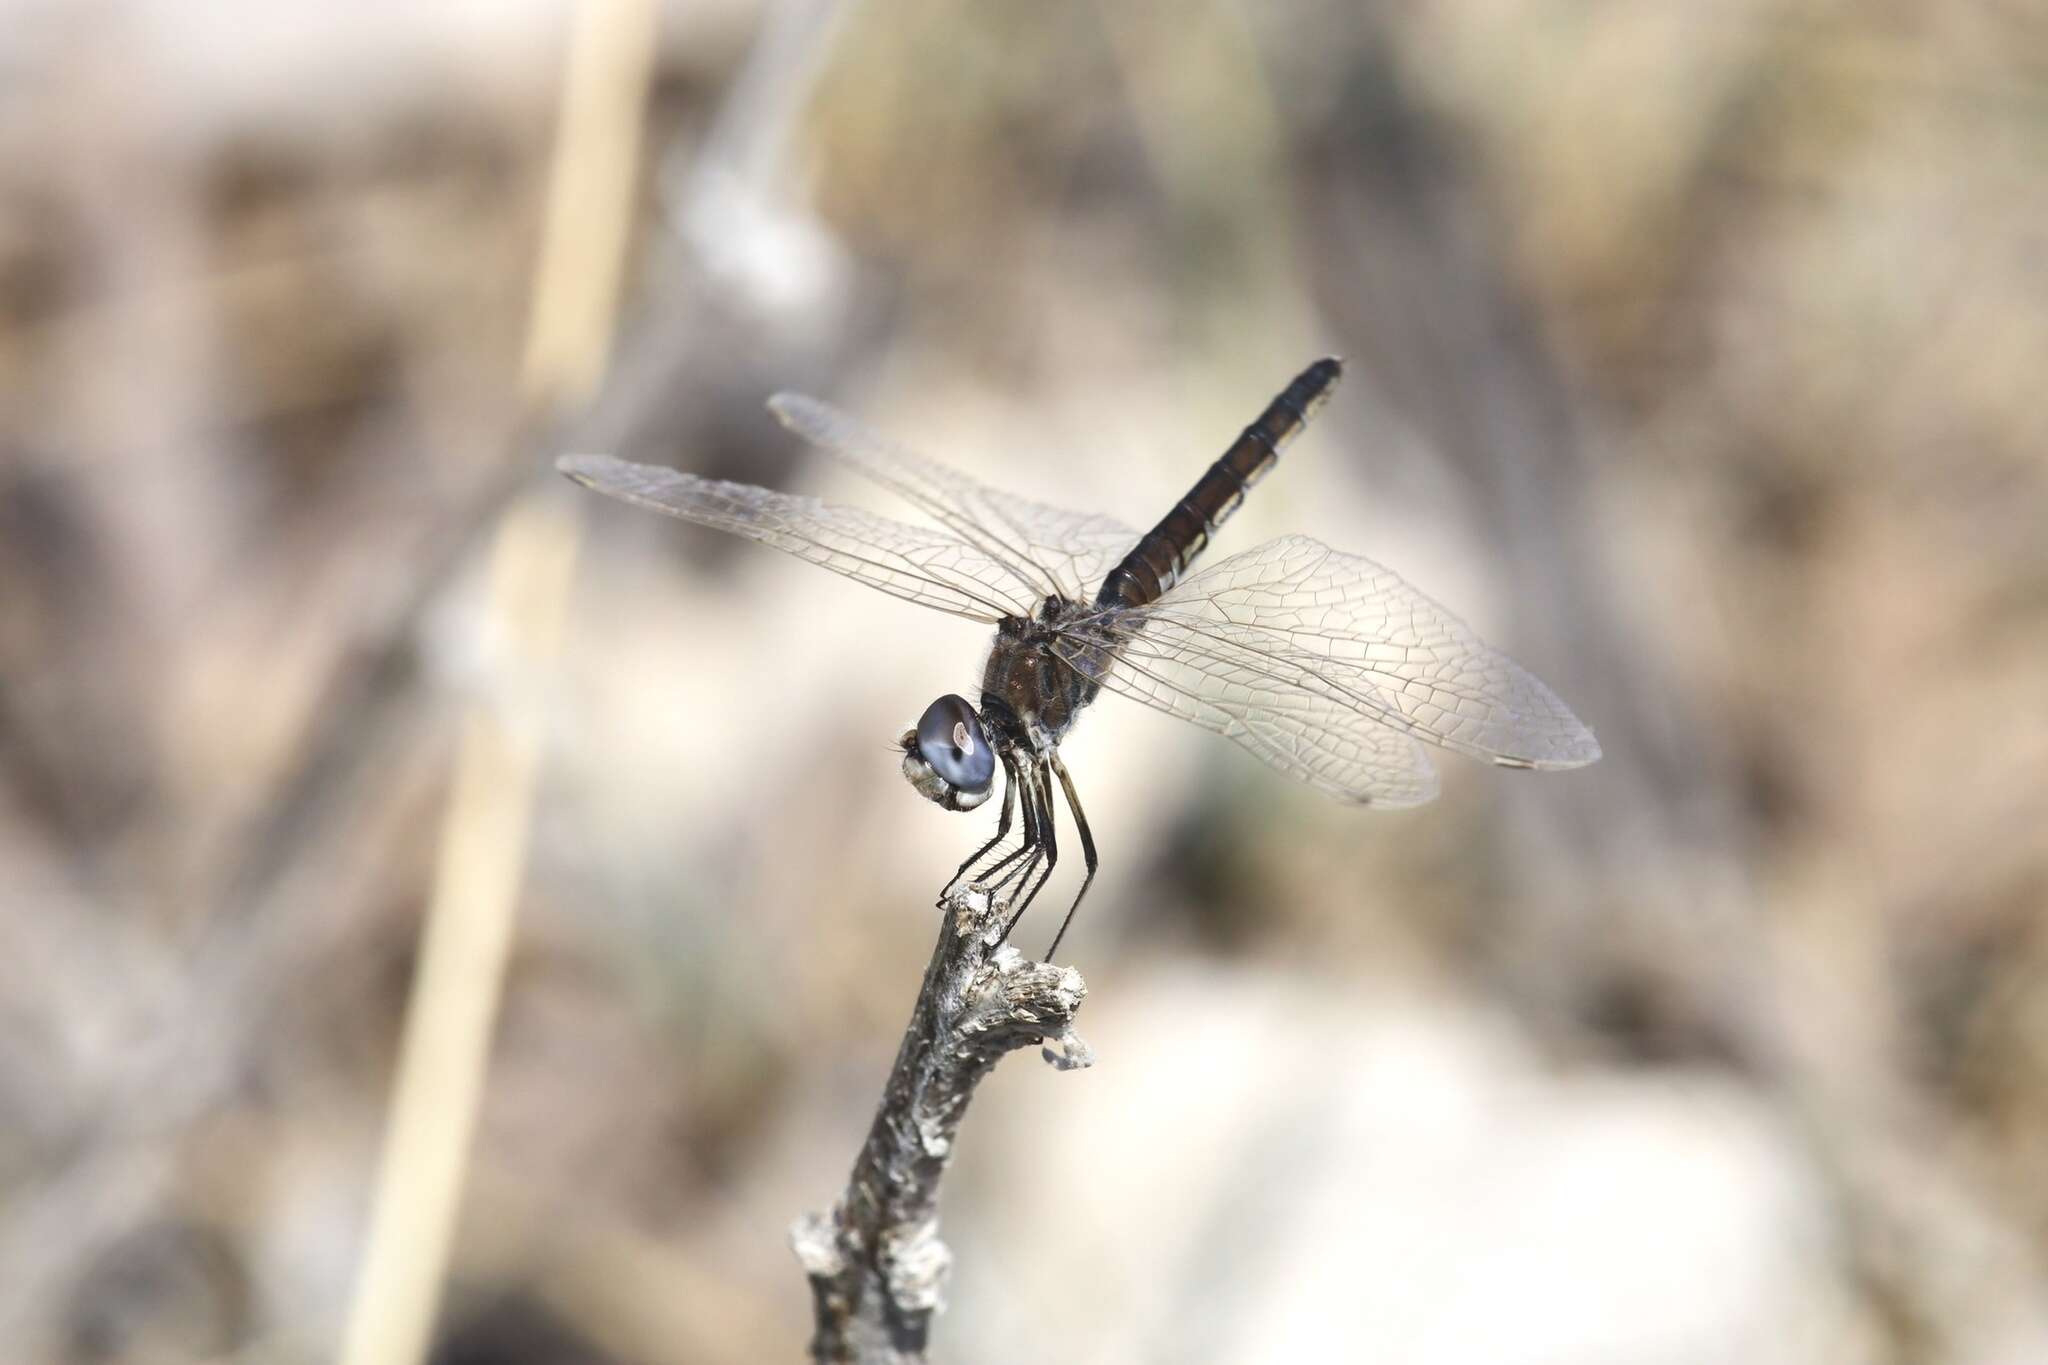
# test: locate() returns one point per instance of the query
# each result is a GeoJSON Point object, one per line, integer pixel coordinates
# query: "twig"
{"type": "Point", "coordinates": [877, 1266]}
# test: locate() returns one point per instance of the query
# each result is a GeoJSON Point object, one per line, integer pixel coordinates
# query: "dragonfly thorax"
{"type": "Point", "coordinates": [1030, 693]}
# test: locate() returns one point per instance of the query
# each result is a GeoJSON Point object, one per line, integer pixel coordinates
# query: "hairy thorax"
{"type": "Point", "coordinates": [1030, 692]}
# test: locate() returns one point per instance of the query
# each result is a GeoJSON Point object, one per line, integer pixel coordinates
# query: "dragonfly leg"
{"type": "Point", "coordinates": [1002, 828]}
{"type": "Point", "coordinates": [1026, 850]}
{"type": "Point", "coordinates": [1045, 855]}
{"type": "Point", "coordinates": [1087, 852]}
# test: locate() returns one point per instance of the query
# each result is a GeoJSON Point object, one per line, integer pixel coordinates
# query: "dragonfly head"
{"type": "Point", "coordinates": [947, 757]}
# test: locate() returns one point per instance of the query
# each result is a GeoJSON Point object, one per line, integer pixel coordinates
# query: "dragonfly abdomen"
{"type": "Point", "coordinates": [1164, 554]}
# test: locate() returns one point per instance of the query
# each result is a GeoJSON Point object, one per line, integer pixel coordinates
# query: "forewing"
{"type": "Point", "coordinates": [916, 563]}
{"type": "Point", "coordinates": [1046, 549]}
{"type": "Point", "coordinates": [1343, 626]}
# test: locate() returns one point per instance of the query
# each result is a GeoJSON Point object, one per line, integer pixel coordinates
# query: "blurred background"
{"type": "Point", "coordinates": [1695, 356]}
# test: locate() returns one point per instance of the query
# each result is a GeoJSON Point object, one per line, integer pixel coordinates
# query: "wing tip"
{"type": "Point", "coordinates": [581, 468]}
{"type": "Point", "coordinates": [1581, 749]}
{"type": "Point", "coordinates": [1577, 750]}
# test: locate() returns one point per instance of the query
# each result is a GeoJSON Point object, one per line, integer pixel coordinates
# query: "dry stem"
{"type": "Point", "coordinates": [876, 1263]}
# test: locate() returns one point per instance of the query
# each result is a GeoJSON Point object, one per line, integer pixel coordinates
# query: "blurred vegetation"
{"type": "Point", "coordinates": [1695, 355]}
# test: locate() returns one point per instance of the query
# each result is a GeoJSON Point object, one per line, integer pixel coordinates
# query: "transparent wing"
{"type": "Point", "coordinates": [915, 563]}
{"type": "Point", "coordinates": [1301, 629]}
{"type": "Point", "coordinates": [1046, 549]}
{"type": "Point", "coordinates": [1308, 729]}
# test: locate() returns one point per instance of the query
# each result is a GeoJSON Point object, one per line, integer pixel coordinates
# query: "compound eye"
{"type": "Point", "coordinates": [949, 737]}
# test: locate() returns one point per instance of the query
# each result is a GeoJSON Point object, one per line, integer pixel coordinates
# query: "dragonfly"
{"type": "Point", "coordinates": [1324, 664]}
